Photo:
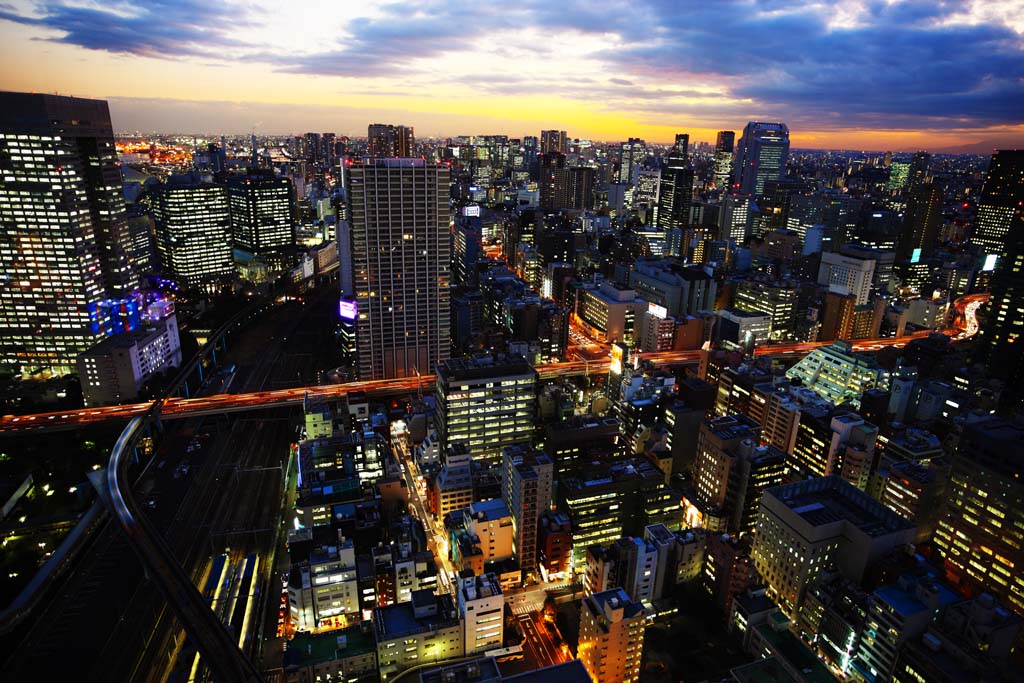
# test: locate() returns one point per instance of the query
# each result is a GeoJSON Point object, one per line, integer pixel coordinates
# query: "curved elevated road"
{"type": "Point", "coordinates": [219, 650]}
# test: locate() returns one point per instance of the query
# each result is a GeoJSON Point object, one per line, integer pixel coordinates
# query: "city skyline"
{"type": "Point", "coordinates": [448, 69]}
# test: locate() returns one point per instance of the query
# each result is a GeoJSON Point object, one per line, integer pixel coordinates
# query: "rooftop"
{"type": "Point", "coordinates": [572, 671]}
{"type": "Point", "coordinates": [762, 671]}
{"type": "Point", "coordinates": [395, 621]}
{"type": "Point", "coordinates": [307, 649]}
{"type": "Point", "coordinates": [799, 657]}
{"type": "Point", "coordinates": [486, 367]}
{"type": "Point", "coordinates": [826, 500]}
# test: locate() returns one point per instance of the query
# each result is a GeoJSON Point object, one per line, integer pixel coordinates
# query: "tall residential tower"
{"type": "Point", "coordinates": [401, 260]}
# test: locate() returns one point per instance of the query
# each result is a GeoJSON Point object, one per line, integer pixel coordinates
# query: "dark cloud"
{"type": "Point", "coordinates": [901, 68]}
{"type": "Point", "coordinates": [155, 28]}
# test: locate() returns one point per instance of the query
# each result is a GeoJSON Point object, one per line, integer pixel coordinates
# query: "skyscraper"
{"type": "Point", "coordinates": [401, 259]}
{"type": "Point", "coordinates": [631, 156]}
{"type": "Point", "coordinates": [64, 237]}
{"type": "Point", "coordinates": [723, 158]}
{"type": "Point", "coordinates": [552, 180]}
{"type": "Point", "coordinates": [921, 223]}
{"type": "Point", "coordinates": [761, 155]}
{"type": "Point", "coordinates": [553, 141]}
{"type": "Point", "coordinates": [918, 171]}
{"type": "Point", "coordinates": [681, 148]}
{"type": "Point", "coordinates": [262, 212]}
{"type": "Point", "coordinates": [676, 190]}
{"type": "Point", "coordinates": [1000, 212]}
{"type": "Point", "coordinates": [193, 230]}
{"type": "Point", "coordinates": [385, 140]}
{"type": "Point", "coordinates": [1001, 337]}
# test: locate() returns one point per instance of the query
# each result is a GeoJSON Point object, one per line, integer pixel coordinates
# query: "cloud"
{"type": "Point", "coordinates": [155, 28]}
{"type": "Point", "coordinates": [900, 65]}
{"type": "Point", "coordinates": [915, 64]}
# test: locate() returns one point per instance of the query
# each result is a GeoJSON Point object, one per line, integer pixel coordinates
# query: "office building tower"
{"type": "Point", "coordinates": [734, 219]}
{"type": "Point", "coordinates": [481, 609]}
{"type": "Point", "coordinates": [921, 223]}
{"type": "Point", "coordinates": [63, 230]}
{"type": "Point", "coordinates": [723, 159]}
{"type": "Point", "coordinates": [262, 212]}
{"type": "Point", "coordinates": [676, 192]}
{"type": "Point", "coordinates": [486, 404]}
{"type": "Point", "coordinates": [193, 231]}
{"type": "Point", "coordinates": [731, 471]}
{"type": "Point", "coordinates": [806, 526]}
{"type": "Point", "coordinates": [611, 637]}
{"type": "Point", "coordinates": [608, 501]}
{"type": "Point", "coordinates": [981, 533]}
{"type": "Point", "coordinates": [844, 274]}
{"type": "Point", "coordinates": [899, 176]}
{"type": "Point", "coordinates": [401, 259]}
{"type": "Point", "coordinates": [999, 222]}
{"type": "Point", "coordinates": [324, 588]}
{"type": "Point", "coordinates": [777, 298]}
{"type": "Point", "coordinates": [681, 289]}
{"type": "Point", "coordinates": [1001, 336]}
{"type": "Point", "coordinates": [631, 157]}
{"type": "Point", "coordinates": [761, 155]}
{"type": "Point", "coordinates": [526, 478]}
{"type": "Point", "coordinates": [553, 141]}
{"type": "Point", "coordinates": [917, 173]}
{"type": "Point", "coordinates": [385, 141]}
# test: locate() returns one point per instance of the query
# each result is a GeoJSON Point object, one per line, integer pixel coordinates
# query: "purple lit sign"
{"type": "Point", "coordinates": [347, 309]}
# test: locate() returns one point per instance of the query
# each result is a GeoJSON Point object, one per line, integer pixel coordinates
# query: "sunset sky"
{"type": "Point", "coordinates": [853, 74]}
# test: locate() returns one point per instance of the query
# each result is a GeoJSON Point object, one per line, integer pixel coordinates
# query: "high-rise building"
{"type": "Point", "coordinates": [611, 639]}
{"type": "Point", "coordinates": [486, 404]}
{"type": "Point", "coordinates": [193, 230]}
{"type": "Point", "coordinates": [401, 260]}
{"type": "Point", "coordinates": [262, 212]}
{"type": "Point", "coordinates": [761, 155]}
{"type": "Point", "coordinates": [723, 158]}
{"type": "Point", "coordinates": [676, 192]}
{"type": "Point", "coordinates": [731, 471]}
{"type": "Point", "coordinates": [552, 180]}
{"type": "Point", "coordinates": [386, 140]}
{"type": "Point", "coordinates": [631, 157]}
{"type": "Point", "coordinates": [921, 223]}
{"type": "Point", "coordinates": [845, 274]}
{"type": "Point", "coordinates": [1000, 219]}
{"type": "Point", "coordinates": [899, 176]}
{"type": "Point", "coordinates": [553, 141]}
{"type": "Point", "coordinates": [982, 531]}
{"type": "Point", "coordinates": [64, 236]}
{"type": "Point", "coordinates": [526, 478]}
{"type": "Point", "coordinates": [917, 174]}
{"type": "Point", "coordinates": [805, 527]}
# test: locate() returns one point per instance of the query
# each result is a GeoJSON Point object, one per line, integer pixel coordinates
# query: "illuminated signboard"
{"type": "Point", "coordinates": [990, 262]}
{"type": "Point", "coordinates": [915, 256]}
{"type": "Point", "coordinates": [347, 309]}
{"type": "Point", "coordinates": [471, 210]}
{"type": "Point", "coordinates": [657, 311]}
